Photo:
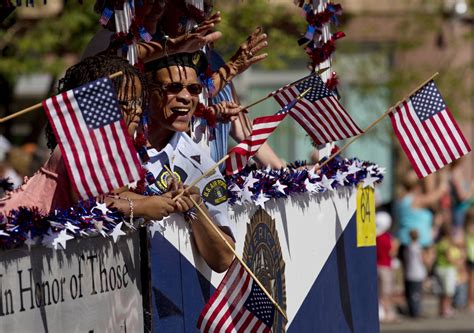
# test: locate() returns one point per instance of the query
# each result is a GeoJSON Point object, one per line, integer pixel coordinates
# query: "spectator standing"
{"type": "Point", "coordinates": [415, 274]}
{"type": "Point", "coordinates": [469, 241]}
{"type": "Point", "coordinates": [445, 270]}
{"type": "Point", "coordinates": [386, 249]}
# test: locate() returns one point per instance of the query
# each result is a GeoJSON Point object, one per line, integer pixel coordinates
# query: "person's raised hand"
{"type": "Point", "coordinates": [227, 111]}
{"type": "Point", "coordinates": [246, 55]}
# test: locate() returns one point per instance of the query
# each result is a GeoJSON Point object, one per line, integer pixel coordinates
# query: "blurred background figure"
{"type": "Point", "coordinates": [386, 250]}
{"type": "Point", "coordinates": [469, 241]}
{"type": "Point", "coordinates": [415, 274]}
{"type": "Point", "coordinates": [445, 269]}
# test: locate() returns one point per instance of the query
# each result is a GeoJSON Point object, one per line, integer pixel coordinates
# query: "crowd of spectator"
{"type": "Point", "coordinates": [425, 245]}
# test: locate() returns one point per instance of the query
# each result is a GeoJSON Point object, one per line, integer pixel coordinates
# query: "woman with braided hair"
{"type": "Point", "coordinates": [50, 187]}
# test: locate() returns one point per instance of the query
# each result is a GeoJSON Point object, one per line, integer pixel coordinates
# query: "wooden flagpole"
{"type": "Point", "coordinates": [40, 105]}
{"type": "Point", "coordinates": [216, 229]}
{"type": "Point", "coordinates": [273, 93]}
{"type": "Point", "coordinates": [379, 119]}
{"type": "Point", "coordinates": [222, 160]}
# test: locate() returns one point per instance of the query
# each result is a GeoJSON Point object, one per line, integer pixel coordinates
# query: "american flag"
{"type": "Point", "coordinates": [91, 133]}
{"type": "Point", "coordinates": [319, 112]}
{"type": "Point", "coordinates": [238, 305]}
{"type": "Point", "coordinates": [262, 128]}
{"type": "Point", "coordinates": [427, 131]}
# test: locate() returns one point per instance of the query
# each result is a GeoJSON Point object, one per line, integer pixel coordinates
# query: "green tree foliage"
{"type": "Point", "coordinates": [281, 21]}
{"type": "Point", "coordinates": [41, 45]}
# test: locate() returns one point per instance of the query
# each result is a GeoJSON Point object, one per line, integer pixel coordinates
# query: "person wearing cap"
{"type": "Point", "coordinates": [174, 96]}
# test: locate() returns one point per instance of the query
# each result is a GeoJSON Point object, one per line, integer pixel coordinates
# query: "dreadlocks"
{"type": "Point", "coordinates": [95, 67]}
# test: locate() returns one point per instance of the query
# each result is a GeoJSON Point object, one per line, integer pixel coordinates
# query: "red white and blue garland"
{"type": "Point", "coordinates": [256, 186]}
{"type": "Point", "coordinates": [28, 226]}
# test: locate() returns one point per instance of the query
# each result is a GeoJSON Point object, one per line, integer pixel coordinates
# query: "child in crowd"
{"type": "Point", "coordinates": [459, 258]}
{"type": "Point", "coordinates": [386, 249]}
{"type": "Point", "coordinates": [469, 242]}
{"type": "Point", "coordinates": [415, 274]}
{"type": "Point", "coordinates": [445, 269]}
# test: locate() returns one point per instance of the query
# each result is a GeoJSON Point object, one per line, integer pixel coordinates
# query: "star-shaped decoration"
{"type": "Point", "coordinates": [313, 173]}
{"type": "Point", "coordinates": [71, 227]}
{"type": "Point", "coordinates": [3, 233]}
{"type": "Point", "coordinates": [382, 170]}
{"type": "Point", "coordinates": [247, 194]}
{"type": "Point", "coordinates": [340, 177]}
{"type": "Point", "coordinates": [156, 226]}
{"type": "Point", "coordinates": [261, 199]}
{"type": "Point", "coordinates": [49, 240]}
{"type": "Point", "coordinates": [102, 207]}
{"type": "Point", "coordinates": [250, 181]}
{"type": "Point", "coordinates": [29, 241]}
{"type": "Point", "coordinates": [369, 181]}
{"type": "Point", "coordinates": [310, 187]}
{"type": "Point", "coordinates": [62, 238]}
{"type": "Point", "coordinates": [99, 226]}
{"type": "Point", "coordinates": [327, 182]}
{"type": "Point", "coordinates": [353, 168]}
{"type": "Point", "coordinates": [280, 187]}
{"type": "Point", "coordinates": [117, 232]}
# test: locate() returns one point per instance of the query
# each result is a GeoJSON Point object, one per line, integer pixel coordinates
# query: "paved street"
{"type": "Point", "coordinates": [462, 322]}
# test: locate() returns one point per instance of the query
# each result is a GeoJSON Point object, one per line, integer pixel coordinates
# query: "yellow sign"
{"type": "Point", "coordinates": [365, 216]}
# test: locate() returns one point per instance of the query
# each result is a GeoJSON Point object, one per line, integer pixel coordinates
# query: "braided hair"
{"type": "Point", "coordinates": [93, 68]}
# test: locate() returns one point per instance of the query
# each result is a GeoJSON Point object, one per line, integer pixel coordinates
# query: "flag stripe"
{"type": "Point", "coordinates": [413, 142]}
{"type": "Point", "coordinates": [230, 275]}
{"type": "Point", "coordinates": [435, 142]}
{"type": "Point", "coordinates": [99, 153]}
{"type": "Point", "coordinates": [221, 301]}
{"type": "Point", "coordinates": [53, 117]}
{"type": "Point", "coordinates": [406, 144]}
{"type": "Point", "coordinates": [310, 119]}
{"type": "Point", "coordinates": [69, 131]}
{"type": "Point", "coordinates": [420, 140]}
{"type": "Point", "coordinates": [465, 144]}
{"type": "Point", "coordinates": [236, 307]}
{"type": "Point", "coordinates": [441, 135]}
{"type": "Point", "coordinates": [453, 134]}
{"type": "Point", "coordinates": [98, 141]}
{"type": "Point", "coordinates": [113, 161]}
{"type": "Point", "coordinates": [343, 130]}
{"type": "Point", "coordinates": [236, 294]}
{"type": "Point", "coordinates": [309, 125]}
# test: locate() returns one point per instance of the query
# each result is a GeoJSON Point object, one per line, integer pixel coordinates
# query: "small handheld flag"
{"type": "Point", "coordinates": [238, 305]}
{"type": "Point", "coordinates": [427, 131]}
{"type": "Point", "coordinates": [262, 128]}
{"type": "Point", "coordinates": [97, 151]}
{"type": "Point", "coordinates": [319, 112]}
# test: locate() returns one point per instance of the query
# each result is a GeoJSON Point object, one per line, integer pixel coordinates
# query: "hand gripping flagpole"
{"type": "Point", "coordinates": [40, 105]}
{"type": "Point", "coordinates": [222, 160]}
{"type": "Point", "coordinates": [374, 123]}
{"type": "Point", "coordinates": [216, 229]}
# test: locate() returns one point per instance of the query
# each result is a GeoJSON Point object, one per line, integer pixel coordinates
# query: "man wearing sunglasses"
{"type": "Point", "coordinates": [174, 96]}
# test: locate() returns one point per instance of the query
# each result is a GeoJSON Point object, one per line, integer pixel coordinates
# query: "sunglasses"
{"type": "Point", "coordinates": [176, 87]}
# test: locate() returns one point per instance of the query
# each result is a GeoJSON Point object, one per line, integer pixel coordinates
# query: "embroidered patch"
{"type": "Point", "coordinates": [215, 192]}
{"type": "Point", "coordinates": [164, 178]}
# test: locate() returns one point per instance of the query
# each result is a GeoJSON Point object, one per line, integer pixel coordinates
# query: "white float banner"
{"type": "Point", "coordinates": [92, 286]}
